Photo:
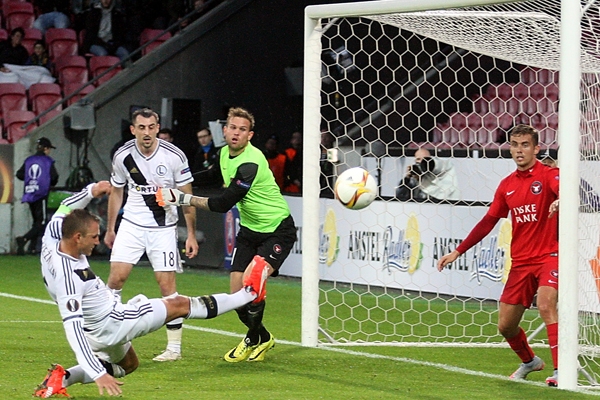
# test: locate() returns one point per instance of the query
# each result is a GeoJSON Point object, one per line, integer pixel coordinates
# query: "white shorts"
{"type": "Point", "coordinates": [159, 244]}
{"type": "Point", "coordinates": [110, 341]}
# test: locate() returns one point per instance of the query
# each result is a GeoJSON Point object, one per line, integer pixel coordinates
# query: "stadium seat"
{"type": "Point", "coordinates": [14, 120]}
{"type": "Point", "coordinates": [47, 117]}
{"type": "Point", "coordinates": [437, 133]}
{"type": "Point", "coordinates": [12, 97]}
{"type": "Point", "coordinates": [4, 141]}
{"type": "Point", "coordinates": [486, 136]}
{"type": "Point", "coordinates": [513, 106]}
{"type": "Point", "coordinates": [44, 95]}
{"type": "Point", "coordinates": [481, 105]}
{"type": "Point", "coordinates": [506, 121]}
{"type": "Point", "coordinates": [528, 75]}
{"type": "Point", "coordinates": [18, 14]}
{"type": "Point", "coordinates": [148, 35]}
{"type": "Point", "coordinates": [61, 42]}
{"type": "Point", "coordinates": [497, 105]}
{"type": "Point", "coordinates": [99, 64]}
{"type": "Point", "coordinates": [72, 87]}
{"type": "Point", "coordinates": [72, 69]}
{"type": "Point", "coordinates": [451, 137]}
{"type": "Point", "coordinates": [32, 35]}
{"type": "Point", "coordinates": [3, 34]}
{"type": "Point", "coordinates": [503, 91]}
{"type": "Point", "coordinates": [552, 120]}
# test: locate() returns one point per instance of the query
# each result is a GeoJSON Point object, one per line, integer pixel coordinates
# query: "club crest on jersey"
{"type": "Point", "coordinates": [161, 170]}
{"type": "Point", "coordinates": [72, 305]}
{"type": "Point", "coordinates": [277, 249]}
{"type": "Point", "coordinates": [536, 187]}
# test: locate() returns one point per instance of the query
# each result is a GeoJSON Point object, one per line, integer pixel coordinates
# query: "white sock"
{"type": "Point", "coordinates": [174, 331]}
{"type": "Point", "coordinates": [76, 375]}
{"type": "Point", "coordinates": [174, 337]}
{"type": "Point", "coordinates": [202, 307]}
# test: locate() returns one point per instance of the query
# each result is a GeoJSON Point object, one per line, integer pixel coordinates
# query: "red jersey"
{"type": "Point", "coordinates": [527, 195]}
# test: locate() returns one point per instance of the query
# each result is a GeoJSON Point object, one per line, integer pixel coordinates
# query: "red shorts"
{"type": "Point", "coordinates": [524, 281]}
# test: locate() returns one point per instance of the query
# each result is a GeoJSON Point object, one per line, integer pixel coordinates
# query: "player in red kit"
{"type": "Point", "coordinates": [530, 195]}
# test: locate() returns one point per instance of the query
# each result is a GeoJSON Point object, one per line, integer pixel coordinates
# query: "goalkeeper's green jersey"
{"type": "Point", "coordinates": [263, 207]}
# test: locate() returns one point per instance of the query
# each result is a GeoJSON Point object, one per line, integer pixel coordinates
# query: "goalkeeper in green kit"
{"type": "Point", "coordinates": [267, 231]}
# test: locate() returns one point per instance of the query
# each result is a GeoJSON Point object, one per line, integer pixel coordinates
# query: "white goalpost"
{"type": "Point", "coordinates": [384, 78]}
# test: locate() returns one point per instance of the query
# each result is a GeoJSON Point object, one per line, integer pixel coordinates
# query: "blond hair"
{"type": "Point", "coordinates": [240, 113]}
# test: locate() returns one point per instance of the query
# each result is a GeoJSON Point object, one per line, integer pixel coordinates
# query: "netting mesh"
{"type": "Point", "coordinates": [454, 82]}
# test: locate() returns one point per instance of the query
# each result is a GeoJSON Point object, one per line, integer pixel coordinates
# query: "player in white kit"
{"type": "Point", "coordinates": [144, 164]}
{"type": "Point", "coordinates": [99, 328]}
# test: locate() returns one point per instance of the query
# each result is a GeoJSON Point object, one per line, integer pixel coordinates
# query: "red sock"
{"type": "Point", "coordinates": [520, 346]}
{"type": "Point", "coordinates": [552, 331]}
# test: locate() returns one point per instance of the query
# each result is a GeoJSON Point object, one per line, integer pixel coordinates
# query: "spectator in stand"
{"type": "Point", "coordinates": [14, 57]}
{"type": "Point", "coordinates": [198, 8]}
{"type": "Point", "coordinates": [52, 14]}
{"type": "Point", "coordinates": [293, 165]}
{"type": "Point", "coordinates": [275, 159]}
{"type": "Point", "coordinates": [166, 134]}
{"type": "Point", "coordinates": [39, 174]}
{"type": "Point", "coordinates": [40, 56]}
{"type": "Point", "coordinates": [105, 31]}
{"type": "Point", "coordinates": [12, 51]}
{"type": "Point", "coordinates": [205, 158]}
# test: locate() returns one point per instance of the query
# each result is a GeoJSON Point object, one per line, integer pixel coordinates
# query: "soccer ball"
{"type": "Point", "coordinates": [355, 188]}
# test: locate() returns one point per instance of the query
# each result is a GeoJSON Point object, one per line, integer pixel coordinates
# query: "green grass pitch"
{"type": "Point", "coordinates": [32, 337]}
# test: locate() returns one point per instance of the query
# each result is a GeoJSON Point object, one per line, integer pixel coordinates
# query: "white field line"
{"type": "Point", "coordinates": [445, 367]}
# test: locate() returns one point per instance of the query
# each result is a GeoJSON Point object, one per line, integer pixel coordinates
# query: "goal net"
{"type": "Point", "coordinates": [379, 87]}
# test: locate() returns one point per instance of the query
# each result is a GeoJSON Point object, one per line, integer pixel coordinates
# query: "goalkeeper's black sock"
{"type": "Point", "coordinates": [265, 336]}
{"type": "Point", "coordinates": [255, 316]}
{"type": "Point", "coordinates": [242, 313]}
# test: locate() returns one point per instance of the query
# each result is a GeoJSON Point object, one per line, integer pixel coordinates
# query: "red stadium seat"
{"type": "Point", "coordinates": [99, 64]}
{"type": "Point", "coordinates": [497, 105]}
{"type": "Point", "coordinates": [32, 35]}
{"type": "Point", "coordinates": [148, 35]}
{"type": "Point", "coordinates": [14, 120]}
{"type": "Point", "coordinates": [50, 115]}
{"type": "Point", "coordinates": [486, 135]}
{"type": "Point", "coordinates": [44, 95]}
{"type": "Point", "coordinates": [3, 34]}
{"type": "Point", "coordinates": [481, 105]}
{"type": "Point", "coordinates": [18, 14]}
{"type": "Point", "coordinates": [72, 69]}
{"type": "Point", "coordinates": [61, 42]}
{"type": "Point", "coordinates": [12, 97]}
{"type": "Point", "coordinates": [438, 132]}
{"type": "Point", "coordinates": [72, 87]}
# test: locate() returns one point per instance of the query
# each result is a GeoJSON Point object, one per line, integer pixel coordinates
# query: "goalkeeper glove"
{"type": "Point", "coordinates": [172, 197]}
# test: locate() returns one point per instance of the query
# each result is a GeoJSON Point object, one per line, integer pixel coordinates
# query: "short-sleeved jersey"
{"type": "Point", "coordinates": [143, 175]}
{"type": "Point", "coordinates": [263, 207]}
{"type": "Point", "coordinates": [527, 195]}
{"type": "Point", "coordinates": [81, 296]}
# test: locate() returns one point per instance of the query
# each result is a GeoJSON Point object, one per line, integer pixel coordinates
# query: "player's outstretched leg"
{"type": "Point", "coordinates": [52, 384]}
{"type": "Point", "coordinates": [537, 364]}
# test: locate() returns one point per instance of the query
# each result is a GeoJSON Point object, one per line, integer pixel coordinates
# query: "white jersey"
{"type": "Point", "coordinates": [82, 298]}
{"type": "Point", "coordinates": [166, 167]}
